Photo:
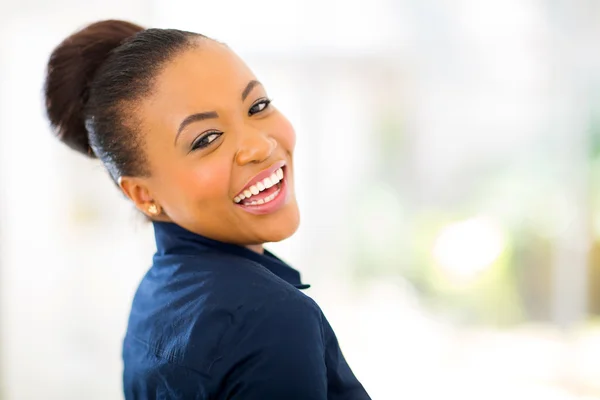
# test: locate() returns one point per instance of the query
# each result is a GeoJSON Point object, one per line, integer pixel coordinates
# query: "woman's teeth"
{"type": "Point", "coordinates": [258, 187]}
{"type": "Point", "coordinates": [262, 201]}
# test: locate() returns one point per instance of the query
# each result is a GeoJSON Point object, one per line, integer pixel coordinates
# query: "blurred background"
{"type": "Point", "coordinates": [448, 173]}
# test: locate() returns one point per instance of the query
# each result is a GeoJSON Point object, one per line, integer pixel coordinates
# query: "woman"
{"type": "Point", "coordinates": [189, 135]}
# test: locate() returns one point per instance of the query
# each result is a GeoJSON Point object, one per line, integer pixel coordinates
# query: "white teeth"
{"type": "Point", "coordinates": [266, 200]}
{"type": "Point", "coordinates": [270, 197]}
{"type": "Point", "coordinates": [274, 179]}
{"type": "Point", "coordinates": [258, 187]}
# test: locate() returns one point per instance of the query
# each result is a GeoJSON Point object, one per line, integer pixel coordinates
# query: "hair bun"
{"type": "Point", "coordinates": [71, 69]}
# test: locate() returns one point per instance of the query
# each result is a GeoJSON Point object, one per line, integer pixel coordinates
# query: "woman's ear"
{"type": "Point", "coordinates": [136, 189]}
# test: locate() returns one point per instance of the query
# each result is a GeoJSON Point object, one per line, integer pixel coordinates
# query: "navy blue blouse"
{"type": "Point", "coordinates": [212, 320]}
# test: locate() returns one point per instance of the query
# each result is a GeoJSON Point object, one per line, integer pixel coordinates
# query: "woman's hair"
{"type": "Point", "coordinates": [93, 80]}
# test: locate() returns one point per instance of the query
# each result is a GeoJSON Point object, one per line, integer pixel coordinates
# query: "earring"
{"type": "Point", "coordinates": [153, 210]}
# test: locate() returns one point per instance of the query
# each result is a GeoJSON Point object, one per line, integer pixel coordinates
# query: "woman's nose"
{"type": "Point", "coordinates": [256, 147]}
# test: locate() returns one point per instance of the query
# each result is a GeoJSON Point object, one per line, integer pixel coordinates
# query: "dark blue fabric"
{"type": "Point", "coordinates": [218, 321]}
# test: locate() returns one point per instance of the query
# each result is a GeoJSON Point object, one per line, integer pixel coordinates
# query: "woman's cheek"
{"type": "Point", "coordinates": [286, 134]}
{"type": "Point", "coordinates": [208, 181]}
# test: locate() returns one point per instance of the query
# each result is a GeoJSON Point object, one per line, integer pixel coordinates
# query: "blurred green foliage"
{"type": "Point", "coordinates": [396, 234]}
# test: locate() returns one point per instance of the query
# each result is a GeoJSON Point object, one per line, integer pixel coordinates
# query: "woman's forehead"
{"type": "Point", "coordinates": [209, 71]}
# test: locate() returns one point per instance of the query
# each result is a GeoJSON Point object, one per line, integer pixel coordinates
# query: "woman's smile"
{"type": "Point", "coordinates": [266, 192]}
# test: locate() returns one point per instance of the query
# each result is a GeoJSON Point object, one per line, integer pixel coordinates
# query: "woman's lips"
{"type": "Point", "coordinates": [276, 200]}
{"type": "Point", "coordinates": [271, 194]}
{"type": "Point", "coordinates": [262, 182]}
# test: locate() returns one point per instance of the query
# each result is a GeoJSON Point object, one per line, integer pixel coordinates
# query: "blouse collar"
{"type": "Point", "coordinates": [172, 239]}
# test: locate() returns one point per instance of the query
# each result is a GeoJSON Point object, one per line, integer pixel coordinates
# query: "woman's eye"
{"type": "Point", "coordinates": [205, 140]}
{"type": "Point", "coordinates": [259, 106]}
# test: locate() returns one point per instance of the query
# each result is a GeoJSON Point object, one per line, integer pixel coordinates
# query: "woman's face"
{"type": "Point", "coordinates": [220, 155]}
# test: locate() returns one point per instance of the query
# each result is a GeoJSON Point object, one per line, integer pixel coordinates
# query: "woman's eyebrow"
{"type": "Point", "coordinates": [249, 88]}
{"type": "Point", "coordinates": [212, 114]}
{"type": "Point", "coordinates": [195, 118]}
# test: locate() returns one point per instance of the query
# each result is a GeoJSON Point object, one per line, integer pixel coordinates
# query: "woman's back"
{"type": "Point", "coordinates": [212, 320]}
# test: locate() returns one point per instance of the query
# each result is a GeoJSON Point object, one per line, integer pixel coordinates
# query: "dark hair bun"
{"type": "Point", "coordinates": [71, 69]}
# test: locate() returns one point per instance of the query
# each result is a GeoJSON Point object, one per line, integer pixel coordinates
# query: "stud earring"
{"type": "Point", "coordinates": [153, 209]}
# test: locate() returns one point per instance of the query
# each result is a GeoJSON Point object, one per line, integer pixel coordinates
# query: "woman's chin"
{"type": "Point", "coordinates": [280, 227]}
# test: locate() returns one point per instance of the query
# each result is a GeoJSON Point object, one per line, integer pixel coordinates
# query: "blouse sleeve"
{"type": "Point", "coordinates": [275, 351]}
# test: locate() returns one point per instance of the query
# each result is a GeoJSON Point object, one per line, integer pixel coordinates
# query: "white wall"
{"type": "Point", "coordinates": [64, 291]}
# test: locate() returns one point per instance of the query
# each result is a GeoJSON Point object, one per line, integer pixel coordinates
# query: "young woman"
{"type": "Point", "coordinates": [189, 135]}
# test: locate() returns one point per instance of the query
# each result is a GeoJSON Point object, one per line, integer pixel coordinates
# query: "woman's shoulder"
{"type": "Point", "coordinates": [237, 286]}
{"type": "Point", "coordinates": [212, 341]}
{"type": "Point", "coordinates": [188, 308]}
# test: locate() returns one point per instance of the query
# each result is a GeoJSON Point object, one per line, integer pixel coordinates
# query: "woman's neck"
{"type": "Point", "coordinates": [257, 248]}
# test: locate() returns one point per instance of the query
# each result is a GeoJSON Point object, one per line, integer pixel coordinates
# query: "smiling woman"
{"type": "Point", "coordinates": [191, 138]}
